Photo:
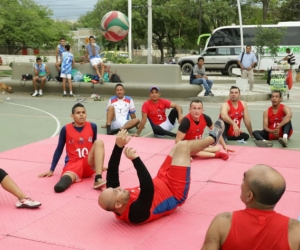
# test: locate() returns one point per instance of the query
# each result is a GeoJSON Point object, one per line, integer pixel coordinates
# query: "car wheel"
{"type": "Point", "coordinates": [224, 72]}
{"type": "Point", "coordinates": [231, 66]}
{"type": "Point", "coordinates": [186, 68]}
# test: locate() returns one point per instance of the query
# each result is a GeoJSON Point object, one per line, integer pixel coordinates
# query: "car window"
{"type": "Point", "coordinates": [237, 51]}
{"type": "Point", "coordinates": [210, 52]}
{"type": "Point", "coordinates": [223, 51]}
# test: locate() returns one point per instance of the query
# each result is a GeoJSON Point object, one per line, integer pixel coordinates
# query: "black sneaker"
{"type": "Point", "coordinates": [218, 130]}
{"type": "Point", "coordinates": [71, 95]}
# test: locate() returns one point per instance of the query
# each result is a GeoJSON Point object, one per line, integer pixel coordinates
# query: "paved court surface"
{"type": "Point", "coordinates": [25, 119]}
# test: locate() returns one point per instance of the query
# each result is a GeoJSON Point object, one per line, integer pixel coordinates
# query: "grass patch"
{"type": "Point", "coordinates": [5, 73]}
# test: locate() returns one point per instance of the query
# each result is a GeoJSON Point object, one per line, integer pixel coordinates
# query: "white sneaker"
{"type": "Point", "coordinates": [35, 93]}
{"type": "Point", "coordinates": [101, 81]}
{"type": "Point", "coordinates": [40, 92]}
{"type": "Point", "coordinates": [27, 203]}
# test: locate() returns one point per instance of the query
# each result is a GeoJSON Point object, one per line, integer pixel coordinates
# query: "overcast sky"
{"type": "Point", "coordinates": [68, 9]}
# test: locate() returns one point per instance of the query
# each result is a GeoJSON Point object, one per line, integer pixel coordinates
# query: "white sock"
{"type": "Point", "coordinates": [65, 92]}
{"type": "Point", "coordinates": [285, 136]}
{"type": "Point", "coordinates": [35, 92]}
{"type": "Point", "coordinates": [71, 92]}
{"type": "Point", "coordinates": [41, 91]}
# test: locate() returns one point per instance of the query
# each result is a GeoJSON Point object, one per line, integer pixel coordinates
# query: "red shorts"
{"type": "Point", "coordinates": [272, 136]}
{"type": "Point", "coordinates": [80, 168]}
{"type": "Point", "coordinates": [177, 179]}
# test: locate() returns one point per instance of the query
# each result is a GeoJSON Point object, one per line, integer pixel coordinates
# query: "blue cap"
{"type": "Point", "coordinates": [154, 87]}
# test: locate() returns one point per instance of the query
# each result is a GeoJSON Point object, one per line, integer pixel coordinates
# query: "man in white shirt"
{"type": "Point", "coordinates": [119, 109]}
{"type": "Point", "coordinates": [290, 58]}
{"type": "Point", "coordinates": [247, 60]}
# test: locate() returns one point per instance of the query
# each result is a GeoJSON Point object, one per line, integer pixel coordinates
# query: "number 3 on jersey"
{"type": "Point", "coordinates": [82, 152]}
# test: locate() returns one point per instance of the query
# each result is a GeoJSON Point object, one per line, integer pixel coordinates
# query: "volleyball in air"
{"type": "Point", "coordinates": [114, 26]}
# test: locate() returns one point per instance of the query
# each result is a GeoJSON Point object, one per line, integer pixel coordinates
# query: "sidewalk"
{"type": "Point", "coordinates": [4, 67]}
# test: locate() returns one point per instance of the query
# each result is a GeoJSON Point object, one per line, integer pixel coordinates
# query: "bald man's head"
{"type": "Point", "coordinates": [266, 184]}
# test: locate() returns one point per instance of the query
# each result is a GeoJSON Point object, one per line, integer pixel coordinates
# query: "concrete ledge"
{"type": "Point", "coordinates": [133, 73]}
{"type": "Point", "coordinates": [219, 99]}
{"type": "Point", "coordinates": [178, 91]}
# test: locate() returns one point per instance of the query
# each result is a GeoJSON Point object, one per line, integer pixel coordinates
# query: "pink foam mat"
{"type": "Point", "coordinates": [269, 156]}
{"type": "Point", "coordinates": [73, 219]}
{"type": "Point", "coordinates": [233, 174]}
{"type": "Point", "coordinates": [13, 243]}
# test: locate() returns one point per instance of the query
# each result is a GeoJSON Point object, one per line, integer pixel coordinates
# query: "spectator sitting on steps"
{"type": "Point", "coordinates": [199, 77]}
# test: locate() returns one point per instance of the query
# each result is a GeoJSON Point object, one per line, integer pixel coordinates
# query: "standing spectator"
{"type": "Point", "coordinates": [41, 71]}
{"type": "Point", "coordinates": [247, 62]}
{"type": "Point", "coordinates": [58, 53]}
{"type": "Point", "coordinates": [290, 58]}
{"type": "Point", "coordinates": [66, 70]}
{"type": "Point", "coordinates": [93, 52]}
{"type": "Point", "coordinates": [199, 77]}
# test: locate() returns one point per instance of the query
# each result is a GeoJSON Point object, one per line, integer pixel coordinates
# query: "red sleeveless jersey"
{"type": "Point", "coordinates": [195, 131]}
{"type": "Point", "coordinates": [78, 144]}
{"type": "Point", "coordinates": [275, 119]}
{"type": "Point", "coordinates": [236, 114]}
{"type": "Point", "coordinates": [163, 202]}
{"type": "Point", "coordinates": [253, 229]}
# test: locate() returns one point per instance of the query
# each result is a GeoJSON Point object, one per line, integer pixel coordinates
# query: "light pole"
{"type": "Point", "coordinates": [149, 31]}
{"type": "Point", "coordinates": [241, 25]}
{"type": "Point", "coordinates": [129, 31]}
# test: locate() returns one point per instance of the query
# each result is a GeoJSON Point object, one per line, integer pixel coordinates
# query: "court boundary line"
{"type": "Point", "coordinates": [43, 111]}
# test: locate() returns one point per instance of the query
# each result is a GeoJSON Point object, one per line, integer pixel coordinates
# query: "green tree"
{"type": "Point", "coordinates": [24, 24]}
{"type": "Point", "coordinates": [270, 38]}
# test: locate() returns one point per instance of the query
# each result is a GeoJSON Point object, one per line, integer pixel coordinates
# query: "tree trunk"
{"type": "Point", "coordinates": [173, 52]}
{"type": "Point", "coordinates": [265, 9]}
{"type": "Point", "coordinates": [161, 48]}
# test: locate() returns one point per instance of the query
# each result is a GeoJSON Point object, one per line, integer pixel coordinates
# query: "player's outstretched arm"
{"type": "Point", "coordinates": [140, 209]}
{"type": "Point", "coordinates": [57, 153]}
{"type": "Point", "coordinates": [112, 176]}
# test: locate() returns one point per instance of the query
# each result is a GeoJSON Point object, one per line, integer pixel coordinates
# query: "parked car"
{"type": "Point", "coordinates": [221, 58]}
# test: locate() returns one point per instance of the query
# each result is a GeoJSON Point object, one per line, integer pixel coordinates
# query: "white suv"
{"type": "Point", "coordinates": [218, 58]}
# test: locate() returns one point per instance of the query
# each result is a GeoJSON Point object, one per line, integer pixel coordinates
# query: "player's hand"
{"type": "Point", "coordinates": [130, 153]}
{"type": "Point", "coordinates": [276, 132]}
{"type": "Point", "coordinates": [122, 138]}
{"type": "Point", "coordinates": [236, 130]}
{"type": "Point", "coordinates": [228, 149]}
{"type": "Point", "coordinates": [135, 135]}
{"type": "Point", "coordinates": [104, 126]}
{"type": "Point", "coordinates": [47, 174]}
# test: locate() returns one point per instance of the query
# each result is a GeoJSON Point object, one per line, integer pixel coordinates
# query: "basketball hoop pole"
{"type": "Point", "coordinates": [149, 31]}
{"type": "Point", "coordinates": [130, 33]}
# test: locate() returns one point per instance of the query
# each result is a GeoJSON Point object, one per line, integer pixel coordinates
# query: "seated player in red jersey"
{"type": "Point", "coordinates": [232, 113]}
{"type": "Point", "coordinates": [192, 127]}
{"type": "Point", "coordinates": [258, 227]}
{"type": "Point", "coordinates": [276, 123]}
{"type": "Point", "coordinates": [156, 197]}
{"type": "Point", "coordinates": [155, 110]}
{"type": "Point", "coordinates": [85, 154]}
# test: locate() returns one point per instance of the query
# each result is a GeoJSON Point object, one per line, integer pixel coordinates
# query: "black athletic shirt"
{"type": "Point", "coordinates": [139, 209]}
{"type": "Point", "coordinates": [185, 123]}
